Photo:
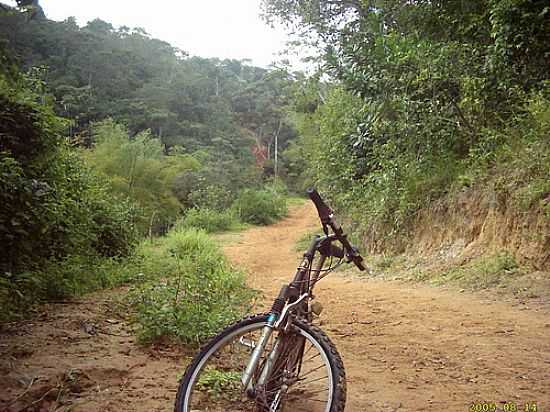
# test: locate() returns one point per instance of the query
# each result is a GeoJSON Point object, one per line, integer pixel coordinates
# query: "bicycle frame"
{"type": "Point", "coordinates": [292, 301]}
{"type": "Point", "coordinates": [299, 361]}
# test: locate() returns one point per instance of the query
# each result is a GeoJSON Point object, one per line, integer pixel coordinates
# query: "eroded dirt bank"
{"type": "Point", "coordinates": [406, 347]}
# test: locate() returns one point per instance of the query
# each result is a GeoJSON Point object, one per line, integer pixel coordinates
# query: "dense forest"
{"type": "Point", "coordinates": [420, 109]}
{"type": "Point", "coordinates": [109, 135]}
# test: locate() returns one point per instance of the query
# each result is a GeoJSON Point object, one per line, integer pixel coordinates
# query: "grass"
{"type": "Point", "coordinates": [384, 262]}
{"type": "Point", "coordinates": [211, 221]}
{"type": "Point", "coordinates": [184, 287]}
{"type": "Point", "coordinates": [481, 273]}
{"type": "Point", "coordinates": [62, 279]}
{"type": "Point", "coordinates": [221, 384]}
{"type": "Point", "coordinates": [296, 201]}
{"type": "Point", "coordinates": [260, 207]}
{"type": "Point", "coordinates": [499, 272]}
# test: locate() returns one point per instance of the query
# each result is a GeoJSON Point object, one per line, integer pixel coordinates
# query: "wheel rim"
{"type": "Point", "coordinates": [214, 385]}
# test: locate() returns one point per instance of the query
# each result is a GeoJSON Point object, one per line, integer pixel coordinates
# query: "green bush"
{"type": "Point", "coordinates": [61, 279]}
{"type": "Point", "coordinates": [191, 292]}
{"type": "Point", "coordinates": [277, 187]}
{"type": "Point", "coordinates": [260, 207]}
{"type": "Point", "coordinates": [51, 204]}
{"type": "Point", "coordinates": [515, 159]}
{"type": "Point", "coordinates": [77, 275]}
{"type": "Point", "coordinates": [209, 220]}
{"type": "Point", "coordinates": [425, 102]}
{"type": "Point", "coordinates": [216, 184]}
{"type": "Point", "coordinates": [58, 222]}
{"type": "Point", "coordinates": [215, 197]}
{"type": "Point", "coordinates": [138, 169]}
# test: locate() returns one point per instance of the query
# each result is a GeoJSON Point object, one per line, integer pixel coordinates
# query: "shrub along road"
{"type": "Point", "coordinates": [406, 347]}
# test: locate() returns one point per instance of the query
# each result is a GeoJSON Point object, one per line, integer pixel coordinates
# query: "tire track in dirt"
{"type": "Point", "coordinates": [410, 347]}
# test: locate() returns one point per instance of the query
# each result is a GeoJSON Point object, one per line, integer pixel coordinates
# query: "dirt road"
{"type": "Point", "coordinates": [405, 347]}
{"type": "Point", "coordinates": [412, 347]}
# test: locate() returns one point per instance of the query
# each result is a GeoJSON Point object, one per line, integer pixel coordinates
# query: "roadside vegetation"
{"type": "Point", "coordinates": [497, 271]}
{"type": "Point", "coordinates": [434, 107]}
{"type": "Point", "coordinates": [187, 289]}
{"type": "Point", "coordinates": [427, 104]}
{"type": "Point", "coordinates": [209, 220]}
{"type": "Point", "coordinates": [260, 207]}
{"type": "Point", "coordinates": [96, 194]}
{"type": "Point", "coordinates": [110, 139]}
{"type": "Point", "coordinates": [73, 221]}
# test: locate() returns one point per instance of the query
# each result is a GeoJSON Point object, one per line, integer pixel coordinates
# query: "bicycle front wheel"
{"type": "Point", "coordinates": [308, 374]}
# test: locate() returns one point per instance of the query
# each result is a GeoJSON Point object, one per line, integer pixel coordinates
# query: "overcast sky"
{"type": "Point", "coordinates": [206, 28]}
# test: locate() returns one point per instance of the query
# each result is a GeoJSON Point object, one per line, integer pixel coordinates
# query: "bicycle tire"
{"type": "Point", "coordinates": [191, 378]}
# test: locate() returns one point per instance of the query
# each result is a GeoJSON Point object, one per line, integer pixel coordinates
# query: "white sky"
{"type": "Point", "coordinates": [206, 28]}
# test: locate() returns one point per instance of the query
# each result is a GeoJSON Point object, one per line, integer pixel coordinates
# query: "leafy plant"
{"type": "Point", "coordinates": [190, 292]}
{"type": "Point", "coordinates": [138, 170]}
{"type": "Point", "coordinates": [483, 272]}
{"type": "Point", "coordinates": [209, 220]}
{"type": "Point", "coordinates": [426, 98]}
{"type": "Point", "coordinates": [221, 384]}
{"type": "Point", "coordinates": [212, 196]}
{"type": "Point", "coordinates": [260, 207]}
{"type": "Point", "coordinates": [58, 221]}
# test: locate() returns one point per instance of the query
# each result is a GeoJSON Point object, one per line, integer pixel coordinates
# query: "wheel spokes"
{"type": "Point", "coordinates": [299, 381]}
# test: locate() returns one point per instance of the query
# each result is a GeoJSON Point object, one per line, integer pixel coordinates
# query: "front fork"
{"type": "Point", "coordinates": [278, 315]}
{"type": "Point", "coordinates": [246, 378]}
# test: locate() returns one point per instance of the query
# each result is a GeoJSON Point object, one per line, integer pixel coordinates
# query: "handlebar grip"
{"type": "Point", "coordinates": [325, 214]}
{"type": "Point", "coordinates": [322, 208]}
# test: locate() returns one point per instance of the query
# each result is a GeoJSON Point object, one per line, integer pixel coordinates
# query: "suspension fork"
{"type": "Point", "coordinates": [278, 314]}
{"type": "Point", "coordinates": [272, 322]}
{"type": "Point", "coordinates": [246, 378]}
{"type": "Point", "coordinates": [273, 356]}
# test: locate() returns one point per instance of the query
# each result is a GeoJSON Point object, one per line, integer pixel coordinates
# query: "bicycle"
{"type": "Point", "coordinates": [278, 361]}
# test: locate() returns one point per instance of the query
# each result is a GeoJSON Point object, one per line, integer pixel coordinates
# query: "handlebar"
{"type": "Point", "coordinates": [322, 208]}
{"type": "Point", "coordinates": [327, 219]}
